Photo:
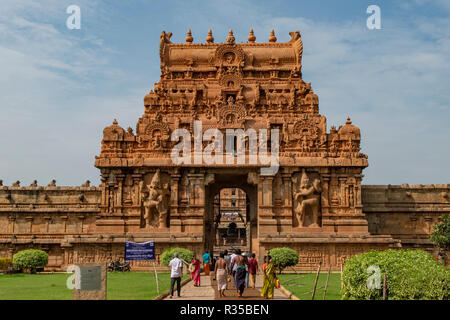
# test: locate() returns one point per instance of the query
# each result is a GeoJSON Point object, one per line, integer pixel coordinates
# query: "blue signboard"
{"type": "Point", "coordinates": [139, 251]}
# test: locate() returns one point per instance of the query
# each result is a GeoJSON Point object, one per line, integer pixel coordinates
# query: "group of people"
{"type": "Point", "coordinates": [237, 267]}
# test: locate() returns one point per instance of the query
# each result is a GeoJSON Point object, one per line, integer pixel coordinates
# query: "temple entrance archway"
{"type": "Point", "coordinates": [231, 214]}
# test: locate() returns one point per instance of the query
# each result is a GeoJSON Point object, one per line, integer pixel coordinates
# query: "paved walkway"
{"type": "Point", "coordinates": [208, 291]}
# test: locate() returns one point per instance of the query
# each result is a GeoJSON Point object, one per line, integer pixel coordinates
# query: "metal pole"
{"type": "Point", "coordinates": [326, 283]}
{"type": "Point", "coordinates": [156, 277]}
{"type": "Point", "coordinates": [315, 281]}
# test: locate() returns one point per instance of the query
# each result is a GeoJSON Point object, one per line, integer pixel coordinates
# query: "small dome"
{"type": "Point", "coordinates": [113, 132]}
{"type": "Point", "coordinates": [350, 130]}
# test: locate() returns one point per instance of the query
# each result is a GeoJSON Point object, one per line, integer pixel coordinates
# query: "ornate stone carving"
{"type": "Point", "coordinates": [155, 203]}
{"type": "Point", "coordinates": [232, 114]}
{"type": "Point", "coordinates": [307, 200]}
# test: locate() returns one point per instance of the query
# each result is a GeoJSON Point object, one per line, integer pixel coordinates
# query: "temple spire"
{"type": "Point", "coordinates": [189, 37]}
{"type": "Point", "coordinates": [272, 37]}
{"type": "Point", "coordinates": [230, 38]}
{"type": "Point", "coordinates": [210, 38]}
{"type": "Point", "coordinates": [251, 37]}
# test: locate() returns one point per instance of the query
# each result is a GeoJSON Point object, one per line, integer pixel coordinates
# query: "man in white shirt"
{"type": "Point", "coordinates": [176, 271]}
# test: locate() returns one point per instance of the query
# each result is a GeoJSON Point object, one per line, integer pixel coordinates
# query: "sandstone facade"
{"type": "Point", "coordinates": [314, 203]}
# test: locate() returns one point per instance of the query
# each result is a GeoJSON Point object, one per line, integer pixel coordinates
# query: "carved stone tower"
{"type": "Point", "coordinates": [312, 200]}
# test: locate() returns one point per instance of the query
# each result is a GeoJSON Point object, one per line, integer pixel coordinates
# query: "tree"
{"type": "Point", "coordinates": [30, 259]}
{"type": "Point", "coordinates": [283, 257]}
{"type": "Point", "coordinates": [441, 233]}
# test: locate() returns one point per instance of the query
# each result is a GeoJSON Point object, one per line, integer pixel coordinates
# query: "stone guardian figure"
{"type": "Point", "coordinates": [155, 203]}
{"type": "Point", "coordinates": [307, 197]}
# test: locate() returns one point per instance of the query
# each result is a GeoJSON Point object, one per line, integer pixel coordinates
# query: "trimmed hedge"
{"type": "Point", "coordinates": [5, 263]}
{"type": "Point", "coordinates": [30, 259]}
{"type": "Point", "coordinates": [283, 257]}
{"type": "Point", "coordinates": [410, 274]}
{"type": "Point", "coordinates": [184, 254]}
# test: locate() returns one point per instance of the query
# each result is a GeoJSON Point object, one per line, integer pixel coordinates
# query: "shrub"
{"type": "Point", "coordinates": [441, 233]}
{"type": "Point", "coordinates": [30, 259]}
{"type": "Point", "coordinates": [5, 263]}
{"type": "Point", "coordinates": [410, 274]}
{"type": "Point", "coordinates": [283, 257]}
{"type": "Point", "coordinates": [184, 254]}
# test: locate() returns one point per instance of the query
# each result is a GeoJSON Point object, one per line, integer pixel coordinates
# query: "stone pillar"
{"type": "Point", "coordinates": [325, 194]}
{"type": "Point", "coordinates": [266, 222]}
{"type": "Point", "coordinates": [12, 224]}
{"type": "Point", "coordinates": [30, 226]}
{"type": "Point", "coordinates": [119, 188]}
{"type": "Point", "coordinates": [175, 222]}
{"type": "Point", "coordinates": [136, 192]}
{"type": "Point", "coordinates": [358, 201]}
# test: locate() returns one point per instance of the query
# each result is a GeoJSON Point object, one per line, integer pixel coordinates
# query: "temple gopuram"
{"type": "Point", "coordinates": [314, 202]}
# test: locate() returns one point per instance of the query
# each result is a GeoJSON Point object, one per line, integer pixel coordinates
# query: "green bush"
{"type": "Point", "coordinates": [283, 257]}
{"type": "Point", "coordinates": [30, 259]}
{"type": "Point", "coordinates": [184, 254]}
{"type": "Point", "coordinates": [441, 232]}
{"type": "Point", "coordinates": [5, 263]}
{"type": "Point", "coordinates": [410, 274]}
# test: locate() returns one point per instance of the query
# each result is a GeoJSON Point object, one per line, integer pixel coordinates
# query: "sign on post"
{"type": "Point", "coordinates": [135, 251]}
{"type": "Point", "coordinates": [92, 282]}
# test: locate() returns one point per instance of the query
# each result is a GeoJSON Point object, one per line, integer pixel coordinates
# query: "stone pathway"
{"type": "Point", "coordinates": [208, 291]}
{"type": "Point", "coordinates": [189, 292]}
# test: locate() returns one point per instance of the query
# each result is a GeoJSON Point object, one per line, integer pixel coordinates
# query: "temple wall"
{"type": "Point", "coordinates": [406, 212]}
{"type": "Point", "coordinates": [64, 221]}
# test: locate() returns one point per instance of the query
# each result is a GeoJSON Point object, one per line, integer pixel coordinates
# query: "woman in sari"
{"type": "Point", "coordinates": [195, 275]}
{"type": "Point", "coordinates": [270, 278]}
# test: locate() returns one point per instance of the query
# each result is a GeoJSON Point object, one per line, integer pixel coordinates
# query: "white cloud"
{"type": "Point", "coordinates": [393, 83]}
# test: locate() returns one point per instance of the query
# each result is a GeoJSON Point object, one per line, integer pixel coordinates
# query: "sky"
{"type": "Point", "coordinates": [60, 87]}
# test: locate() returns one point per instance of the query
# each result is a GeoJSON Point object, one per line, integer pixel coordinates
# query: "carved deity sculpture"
{"type": "Point", "coordinates": [307, 197]}
{"type": "Point", "coordinates": [155, 203]}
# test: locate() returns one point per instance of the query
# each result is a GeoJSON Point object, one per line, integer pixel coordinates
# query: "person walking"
{"type": "Point", "coordinates": [195, 274]}
{"type": "Point", "coordinates": [221, 274]}
{"type": "Point", "coordinates": [232, 270]}
{"type": "Point", "coordinates": [270, 278]}
{"type": "Point", "coordinates": [240, 264]}
{"type": "Point", "coordinates": [206, 262]}
{"type": "Point", "coordinates": [176, 271]}
{"type": "Point", "coordinates": [252, 270]}
{"type": "Point", "coordinates": [246, 257]}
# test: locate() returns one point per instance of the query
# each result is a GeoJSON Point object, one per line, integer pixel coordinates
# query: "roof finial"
{"type": "Point", "coordinates": [348, 121]}
{"type": "Point", "coordinates": [115, 121]}
{"type": "Point", "coordinates": [230, 38]}
{"type": "Point", "coordinates": [272, 37]}
{"type": "Point", "coordinates": [210, 38]}
{"type": "Point", "coordinates": [189, 37]}
{"type": "Point", "coordinates": [251, 37]}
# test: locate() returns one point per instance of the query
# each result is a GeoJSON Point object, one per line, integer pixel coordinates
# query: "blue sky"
{"type": "Point", "coordinates": [59, 88]}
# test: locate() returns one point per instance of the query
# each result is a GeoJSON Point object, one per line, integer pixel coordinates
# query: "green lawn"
{"type": "Point", "coordinates": [120, 286]}
{"type": "Point", "coordinates": [299, 284]}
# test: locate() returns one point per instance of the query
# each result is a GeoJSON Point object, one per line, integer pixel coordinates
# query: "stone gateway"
{"type": "Point", "coordinates": [314, 202]}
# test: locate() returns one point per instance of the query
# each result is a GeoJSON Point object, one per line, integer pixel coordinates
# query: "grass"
{"type": "Point", "coordinates": [300, 284]}
{"type": "Point", "coordinates": [120, 286]}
